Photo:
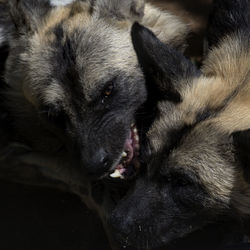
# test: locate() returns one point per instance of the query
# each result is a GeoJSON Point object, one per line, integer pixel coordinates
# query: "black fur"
{"type": "Point", "coordinates": [165, 64]}
{"type": "Point", "coordinates": [25, 14]}
{"type": "Point", "coordinates": [5, 30]}
{"type": "Point", "coordinates": [174, 137]}
{"type": "Point", "coordinates": [241, 141]}
{"type": "Point", "coordinates": [161, 79]}
{"type": "Point", "coordinates": [237, 19]}
{"type": "Point", "coordinates": [243, 246]}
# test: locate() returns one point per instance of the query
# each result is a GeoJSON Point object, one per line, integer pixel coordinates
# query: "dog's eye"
{"type": "Point", "coordinates": [107, 92]}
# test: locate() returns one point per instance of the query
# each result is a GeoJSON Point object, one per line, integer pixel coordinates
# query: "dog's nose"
{"type": "Point", "coordinates": [97, 163]}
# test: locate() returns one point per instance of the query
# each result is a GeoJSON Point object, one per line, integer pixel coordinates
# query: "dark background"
{"type": "Point", "coordinates": [34, 218]}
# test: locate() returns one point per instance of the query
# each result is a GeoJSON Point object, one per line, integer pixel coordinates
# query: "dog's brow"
{"type": "Point", "coordinates": [175, 136]}
{"type": "Point", "coordinates": [54, 93]}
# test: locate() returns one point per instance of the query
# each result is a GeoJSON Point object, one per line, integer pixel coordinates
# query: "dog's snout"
{"type": "Point", "coordinates": [101, 158]}
{"type": "Point", "coordinates": [104, 160]}
{"type": "Point", "coordinates": [98, 163]}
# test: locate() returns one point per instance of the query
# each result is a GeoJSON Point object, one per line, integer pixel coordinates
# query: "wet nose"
{"type": "Point", "coordinates": [98, 163]}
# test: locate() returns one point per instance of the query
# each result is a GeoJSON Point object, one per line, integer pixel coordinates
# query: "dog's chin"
{"type": "Point", "coordinates": [142, 241]}
{"type": "Point", "coordinates": [129, 161]}
{"type": "Point", "coordinates": [150, 238]}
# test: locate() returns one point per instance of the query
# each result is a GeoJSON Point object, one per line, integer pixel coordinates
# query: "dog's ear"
{"type": "Point", "coordinates": [165, 69]}
{"type": "Point", "coordinates": [122, 9]}
{"type": "Point", "coordinates": [27, 14]}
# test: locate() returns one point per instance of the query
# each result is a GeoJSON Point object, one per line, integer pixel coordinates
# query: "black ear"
{"type": "Point", "coordinates": [27, 14]}
{"type": "Point", "coordinates": [227, 17]}
{"type": "Point", "coordinates": [164, 67]}
{"type": "Point", "coordinates": [241, 140]}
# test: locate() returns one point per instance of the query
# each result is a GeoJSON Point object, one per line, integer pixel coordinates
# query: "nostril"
{"type": "Point", "coordinates": [98, 163]}
{"type": "Point", "coordinates": [105, 161]}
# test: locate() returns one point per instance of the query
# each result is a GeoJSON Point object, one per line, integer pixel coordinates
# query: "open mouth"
{"type": "Point", "coordinates": [129, 163]}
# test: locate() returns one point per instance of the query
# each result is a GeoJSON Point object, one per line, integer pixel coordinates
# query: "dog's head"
{"type": "Point", "coordinates": [77, 69]}
{"type": "Point", "coordinates": [199, 142]}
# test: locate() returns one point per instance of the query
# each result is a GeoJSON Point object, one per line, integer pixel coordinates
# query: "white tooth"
{"type": "Point", "coordinates": [116, 174]}
{"type": "Point", "coordinates": [132, 125]}
{"type": "Point", "coordinates": [137, 138]}
{"type": "Point", "coordinates": [124, 154]}
{"type": "Point", "coordinates": [135, 130]}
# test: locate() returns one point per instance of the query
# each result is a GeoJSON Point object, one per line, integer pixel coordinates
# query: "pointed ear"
{"type": "Point", "coordinates": [27, 14]}
{"type": "Point", "coordinates": [165, 68]}
{"type": "Point", "coordinates": [122, 9]}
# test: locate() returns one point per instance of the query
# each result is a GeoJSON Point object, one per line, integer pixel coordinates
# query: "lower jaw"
{"type": "Point", "coordinates": [126, 171]}
{"type": "Point", "coordinates": [129, 163]}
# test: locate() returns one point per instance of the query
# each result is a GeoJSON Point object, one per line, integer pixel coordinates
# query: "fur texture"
{"type": "Point", "coordinates": [60, 124]}
{"type": "Point", "coordinates": [55, 55]}
{"type": "Point", "coordinates": [199, 166]}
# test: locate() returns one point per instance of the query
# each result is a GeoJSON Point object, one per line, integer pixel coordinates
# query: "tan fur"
{"type": "Point", "coordinates": [164, 25]}
{"type": "Point", "coordinates": [119, 53]}
{"type": "Point", "coordinates": [208, 92]}
{"type": "Point", "coordinates": [224, 88]}
{"type": "Point", "coordinates": [228, 68]}
{"type": "Point", "coordinates": [56, 16]}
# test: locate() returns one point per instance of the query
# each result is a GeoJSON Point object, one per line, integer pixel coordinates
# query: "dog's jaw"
{"type": "Point", "coordinates": [129, 162]}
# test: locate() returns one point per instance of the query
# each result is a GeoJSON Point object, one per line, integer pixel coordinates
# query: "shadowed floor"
{"type": "Point", "coordinates": [41, 219]}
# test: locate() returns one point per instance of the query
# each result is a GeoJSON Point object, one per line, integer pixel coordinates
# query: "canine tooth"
{"type": "Point", "coordinates": [137, 138]}
{"type": "Point", "coordinates": [116, 174]}
{"type": "Point", "coordinates": [124, 154]}
{"type": "Point", "coordinates": [135, 130]}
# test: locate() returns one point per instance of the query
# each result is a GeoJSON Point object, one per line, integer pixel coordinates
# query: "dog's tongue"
{"type": "Point", "coordinates": [129, 148]}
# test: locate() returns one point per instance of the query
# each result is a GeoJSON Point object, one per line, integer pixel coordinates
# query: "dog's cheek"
{"type": "Point", "coordinates": [136, 217]}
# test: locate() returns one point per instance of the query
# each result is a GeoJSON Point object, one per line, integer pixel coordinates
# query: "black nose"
{"type": "Point", "coordinates": [97, 163]}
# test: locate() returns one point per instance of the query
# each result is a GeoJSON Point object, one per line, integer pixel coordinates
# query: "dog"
{"type": "Point", "coordinates": [55, 54]}
{"type": "Point", "coordinates": [198, 171]}
{"type": "Point", "coordinates": [71, 89]}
